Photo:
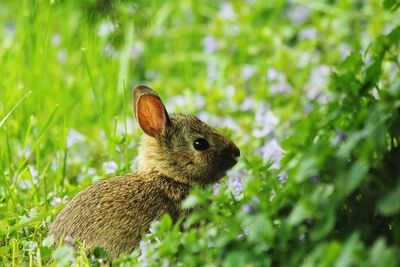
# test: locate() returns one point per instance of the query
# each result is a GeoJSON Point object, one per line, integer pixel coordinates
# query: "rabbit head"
{"type": "Point", "coordinates": [181, 147]}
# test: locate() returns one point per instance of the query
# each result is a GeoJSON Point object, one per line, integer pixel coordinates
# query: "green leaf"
{"type": "Point", "coordinates": [390, 204]}
{"type": "Point", "coordinates": [48, 241]}
{"type": "Point", "coordinates": [391, 5]}
{"type": "Point", "coordinates": [63, 255]}
{"type": "Point", "coordinates": [357, 173]}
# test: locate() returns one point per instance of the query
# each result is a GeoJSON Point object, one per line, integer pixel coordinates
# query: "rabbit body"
{"type": "Point", "coordinates": [114, 213]}
{"type": "Point", "coordinates": [176, 153]}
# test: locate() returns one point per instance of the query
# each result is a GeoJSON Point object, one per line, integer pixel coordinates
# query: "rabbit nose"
{"type": "Point", "coordinates": [233, 150]}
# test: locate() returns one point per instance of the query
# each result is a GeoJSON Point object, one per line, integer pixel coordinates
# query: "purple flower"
{"type": "Point", "coordinates": [266, 122]}
{"type": "Point", "coordinates": [339, 138]}
{"type": "Point", "coordinates": [62, 56]}
{"type": "Point", "coordinates": [249, 209]}
{"type": "Point", "coordinates": [212, 69]}
{"type": "Point", "coordinates": [29, 182]}
{"type": "Point", "coordinates": [69, 239]}
{"type": "Point", "coordinates": [272, 151]}
{"type": "Point", "coordinates": [136, 50]}
{"type": "Point", "coordinates": [105, 28]}
{"type": "Point", "coordinates": [210, 44]}
{"type": "Point", "coordinates": [32, 245]}
{"type": "Point", "coordinates": [235, 182]}
{"type": "Point", "coordinates": [317, 83]}
{"type": "Point", "coordinates": [56, 201]}
{"type": "Point", "coordinates": [314, 179]}
{"type": "Point", "coordinates": [226, 11]}
{"type": "Point", "coordinates": [56, 39]}
{"type": "Point", "coordinates": [74, 137]}
{"type": "Point", "coordinates": [298, 14]}
{"type": "Point", "coordinates": [308, 33]}
{"type": "Point", "coordinates": [247, 104]}
{"type": "Point", "coordinates": [10, 29]}
{"type": "Point", "coordinates": [110, 167]}
{"type": "Point", "coordinates": [344, 50]}
{"type": "Point", "coordinates": [282, 176]}
{"type": "Point", "coordinates": [247, 71]}
{"type": "Point", "coordinates": [273, 74]}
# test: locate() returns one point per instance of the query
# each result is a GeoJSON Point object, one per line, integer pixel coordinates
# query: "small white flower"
{"type": "Point", "coordinates": [32, 245]}
{"type": "Point", "coordinates": [105, 28]}
{"type": "Point", "coordinates": [308, 33]}
{"type": "Point", "coordinates": [265, 120]}
{"type": "Point", "coordinates": [62, 56]}
{"type": "Point", "coordinates": [344, 50]}
{"type": "Point", "coordinates": [272, 151]}
{"type": "Point", "coordinates": [74, 137]}
{"type": "Point", "coordinates": [298, 14]}
{"type": "Point", "coordinates": [273, 74]}
{"type": "Point", "coordinates": [110, 167]}
{"type": "Point", "coordinates": [199, 101]}
{"type": "Point", "coordinates": [235, 182]}
{"type": "Point", "coordinates": [209, 44]}
{"type": "Point", "coordinates": [56, 39]}
{"type": "Point", "coordinates": [247, 71]}
{"type": "Point", "coordinates": [56, 201]}
{"type": "Point", "coordinates": [69, 239]}
{"type": "Point", "coordinates": [247, 104]}
{"type": "Point", "coordinates": [212, 69]}
{"type": "Point", "coordinates": [226, 11]}
{"type": "Point", "coordinates": [136, 50]}
{"type": "Point", "coordinates": [282, 176]}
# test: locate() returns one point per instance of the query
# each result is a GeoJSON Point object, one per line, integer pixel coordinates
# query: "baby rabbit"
{"type": "Point", "coordinates": [177, 152]}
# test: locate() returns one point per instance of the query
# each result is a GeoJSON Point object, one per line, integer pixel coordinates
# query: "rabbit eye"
{"type": "Point", "coordinates": [201, 144]}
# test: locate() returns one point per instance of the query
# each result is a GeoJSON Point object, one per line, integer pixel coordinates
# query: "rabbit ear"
{"type": "Point", "coordinates": [150, 111]}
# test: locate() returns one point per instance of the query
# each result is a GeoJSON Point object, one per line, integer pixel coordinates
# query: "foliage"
{"type": "Point", "coordinates": [310, 90]}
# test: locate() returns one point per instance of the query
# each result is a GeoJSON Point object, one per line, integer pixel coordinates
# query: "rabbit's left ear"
{"type": "Point", "coordinates": [150, 111]}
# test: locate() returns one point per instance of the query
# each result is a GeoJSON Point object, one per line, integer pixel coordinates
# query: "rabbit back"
{"type": "Point", "coordinates": [114, 213]}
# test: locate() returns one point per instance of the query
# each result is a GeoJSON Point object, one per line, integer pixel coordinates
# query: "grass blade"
{"type": "Point", "coordinates": [15, 106]}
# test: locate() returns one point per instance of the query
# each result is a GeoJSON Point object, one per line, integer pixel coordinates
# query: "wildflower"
{"type": "Point", "coordinates": [282, 176]}
{"type": "Point", "coordinates": [272, 151]}
{"type": "Point", "coordinates": [136, 50]}
{"type": "Point", "coordinates": [209, 44]}
{"type": "Point", "coordinates": [314, 179]}
{"type": "Point", "coordinates": [226, 11]}
{"type": "Point", "coordinates": [317, 83]}
{"type": "Point", "coordinates": [69, 239]}
{"type": "Point", "coordinates": [30, 182]}
{"type": "Point", "coordinates": [56, 201]}
{"type": "Point", "coordinates": [247, 71]}
{"type": "Point", "coordinates": [339, 138]}
{"type": "Point", "coordinates": [110, 167]}
{"type": "Point", "coordinates": [235, 182]}
{"type": "Point", "coordinates": [105, 28]}
{"type": "Point", "coordinates": [74, 137]}
{"type": "Point", "coordinates": [344, 50]}
{"type": "Point", "coordinates": [266, 122]}
{"type": "Point", "coordinates": [32, 245]}
{"type": "Point", "coordinates": [249, 209]}
{"type": "Point", "coordinates": [247, 104]}
{"type": "Point", "coordinates": [56, 39]}
{"type": "Point", "coordinates": [199, 101]}
{"type": "Point", "coordinates": [212, 68]}
{"type": "Point", "coordinates": [308, 33]}
{"type": "Point", "coordinates": [298, 14]}
{"type": "Point", "coordinates": [62, 56]}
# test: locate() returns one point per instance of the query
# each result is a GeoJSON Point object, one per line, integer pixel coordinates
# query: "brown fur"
{"type": "Point", "coordinates": [114, 213]}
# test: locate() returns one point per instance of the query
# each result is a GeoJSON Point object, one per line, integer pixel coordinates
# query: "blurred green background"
{"type": "Point", "coordinates": [267, 73]}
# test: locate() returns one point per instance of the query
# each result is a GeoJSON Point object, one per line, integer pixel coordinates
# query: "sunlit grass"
{"type": "Point", "coordinates": [252, 69]}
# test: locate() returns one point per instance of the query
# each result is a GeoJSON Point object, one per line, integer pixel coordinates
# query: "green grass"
{"type": "Point", "coordinates": [66, 114]}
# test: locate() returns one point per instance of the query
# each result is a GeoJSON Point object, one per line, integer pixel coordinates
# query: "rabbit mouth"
{"type": "Point", "coordinates": [228, 163]}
